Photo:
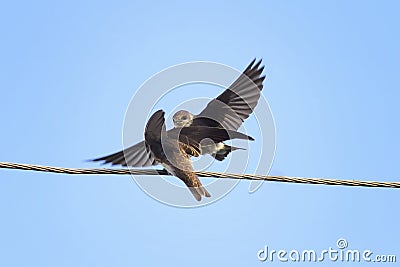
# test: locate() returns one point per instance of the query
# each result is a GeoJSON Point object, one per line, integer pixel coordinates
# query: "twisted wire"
{"type": "Point", "coordinates": [271, 178]}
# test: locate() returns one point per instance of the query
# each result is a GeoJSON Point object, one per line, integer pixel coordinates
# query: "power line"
{"type": "Point", "coordinates": [271, 178]}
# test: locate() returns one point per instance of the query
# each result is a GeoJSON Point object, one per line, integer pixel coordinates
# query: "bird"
{"type": "Point", "coordinates": [173, 149]}
{"type": "Point", "coordinates": [224, 113]}
{"type": "Point", "coordinates": [228, 110]}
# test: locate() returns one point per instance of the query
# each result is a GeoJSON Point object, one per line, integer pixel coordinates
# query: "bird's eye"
{"type": "Point", "coordinates": [184, 117]}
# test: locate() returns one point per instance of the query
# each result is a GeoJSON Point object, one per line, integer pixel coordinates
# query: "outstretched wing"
{"type": "Point", "coordinates": [134, 156]}
{"type": "Point", "coordinates": [236, 103]}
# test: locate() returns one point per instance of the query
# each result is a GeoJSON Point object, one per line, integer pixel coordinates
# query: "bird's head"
{"type": "Point", "coordinates": [182, 118]}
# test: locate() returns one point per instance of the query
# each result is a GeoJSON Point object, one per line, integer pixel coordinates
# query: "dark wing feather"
{"type": "Point", "coordinates": [236, 103]}
{"type": "Point", "coordinates": [155, 127]}
{"type": "Point", "coordinates": [134, 156]}
{"type": "Point", "coordinates": [198, 133]}
{"type": "Point", "coordinates": [191, 137]}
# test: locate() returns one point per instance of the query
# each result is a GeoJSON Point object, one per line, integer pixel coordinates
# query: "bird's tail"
{"type": "Point", "coordinates": [193, 183]}
{"type": "Point", "coordinates": [198, 192]}
{"type": "Point", "coordinates": [224, 152]}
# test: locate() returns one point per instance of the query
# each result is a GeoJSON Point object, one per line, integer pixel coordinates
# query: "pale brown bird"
{"type": "Point", "coordinates": [228, 110]}
{"type": "Point", "coordinates": [173, 149]}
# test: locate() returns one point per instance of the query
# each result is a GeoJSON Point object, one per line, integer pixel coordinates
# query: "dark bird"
{"type": "Point", "coordinates": [173, 149]}
{"type": "Point", "coordinates": [228, 110]}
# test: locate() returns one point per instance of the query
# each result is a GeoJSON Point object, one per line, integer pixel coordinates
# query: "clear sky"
{"type": "Point", "coordinates": [69, 69]}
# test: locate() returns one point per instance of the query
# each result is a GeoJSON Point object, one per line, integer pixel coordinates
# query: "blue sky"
{"type": "Point", "coordinates": [69, 69]}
